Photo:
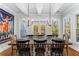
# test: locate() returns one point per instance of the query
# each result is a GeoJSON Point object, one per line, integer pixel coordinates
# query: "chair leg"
{"type": "Point", "coordinates": [52, 53]}
{"type": "Point", "coordinates": [55, 53]}
{"type": "Point", "coordinates": [27, 53]}
{"type": "Point", "coordinates": [12, 53]}
{"type": "Point", "coordinates": [62, 53]}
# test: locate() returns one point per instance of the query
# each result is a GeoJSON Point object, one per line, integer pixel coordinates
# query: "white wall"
{"type": "Point", "coordinates": [72, 14]}
{"type": "Point", "coordinates": [30, 28]}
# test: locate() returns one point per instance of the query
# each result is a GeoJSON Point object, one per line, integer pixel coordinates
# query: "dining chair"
{"type": "Point", "coordinates": [57, 48]}
{"type": "Point", "coordinates": [14, 48]}
{"type": "Point", "coordinates": [40, 46]}
{"type": "Point", "coordinates": [23, 47]}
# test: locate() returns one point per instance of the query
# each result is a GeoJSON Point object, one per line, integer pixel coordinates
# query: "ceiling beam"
{"type": "Point", "coordinates": [23, 7]}
{"type": "Point", "coordinates": [56, 7]}
{"type": "Point", "coordinates": [6, 8]}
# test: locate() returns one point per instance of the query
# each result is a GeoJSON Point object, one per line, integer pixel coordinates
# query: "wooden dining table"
{"type": "Point", "coordinates": [47, 44]}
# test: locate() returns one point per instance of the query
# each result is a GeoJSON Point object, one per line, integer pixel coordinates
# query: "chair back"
{"type": "Point", "coordinates": [40, 47]}
{"type": "Point", "coordinates": [59, 43]}
{"type": "Point", "coordinates": [40, 43]}
{"type": "Point", "coordinates": [13, 41]}
{"type": "Point", "coordinates": [58, 46]}
{"type": "Point", "coordinates": [23, 47]}
{"type": "Point", "coordinates": [22, 44]}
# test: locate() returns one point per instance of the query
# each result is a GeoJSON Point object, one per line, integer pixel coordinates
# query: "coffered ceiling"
{"type": "Point", "coordinates": [36, 8]}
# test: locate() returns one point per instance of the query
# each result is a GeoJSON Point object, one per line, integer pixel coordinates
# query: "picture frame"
{"type": "Point", "coordinates": [6, 26]}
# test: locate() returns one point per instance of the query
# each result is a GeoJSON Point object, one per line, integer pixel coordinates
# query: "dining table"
{"type": "Point", "coordinates": [47, 44]}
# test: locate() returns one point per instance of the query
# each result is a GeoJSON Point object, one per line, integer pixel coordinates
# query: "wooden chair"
{"type": "Point", "coordinates": [23, 47]}
{"type": "Point", "coordinates": [57, 48]}
{"type": "Point", "coordinates": [40, 47]}
{"type": "Point", "coordinates": [13, 41]}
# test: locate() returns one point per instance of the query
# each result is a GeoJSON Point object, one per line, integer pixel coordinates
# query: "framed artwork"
{"type": "Point", "coordinates": [54, 30]}
{"type": "Point", "coordinates": [54, 27]}
{"type": "Point", "coordinates": [43, 29]}
{"type": "Point", "coordinates": [6, 25]}
{"type": "Point", "coordinates": [68, 28]}
{"type": "Point", "coordinates": [35, 29]}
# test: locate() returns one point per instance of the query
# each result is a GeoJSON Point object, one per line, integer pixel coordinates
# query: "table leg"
{"type": "Point", "coordinates": [11, 50]}
{"type": "Point", "coordinates": [67, 49]}
{"type": "Point", "coordinates": [33, 50]}
{"type": "Point", "coordinates": [46, 51]}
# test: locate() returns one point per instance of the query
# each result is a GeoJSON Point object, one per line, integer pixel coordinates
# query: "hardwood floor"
{"type": "Point", "coordinates": [71, 52]}
{"type": "Point", "coordinates": [6, 52]}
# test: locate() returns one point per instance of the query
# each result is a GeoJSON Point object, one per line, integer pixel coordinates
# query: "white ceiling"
{"type": "Point", "coordinates": [30, 8]}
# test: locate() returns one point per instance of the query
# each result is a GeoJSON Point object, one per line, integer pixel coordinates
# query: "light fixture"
{"type": "Point", "coordinates": [29, 22]}
{"type": "Point", "coordinates": [49, 21]}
